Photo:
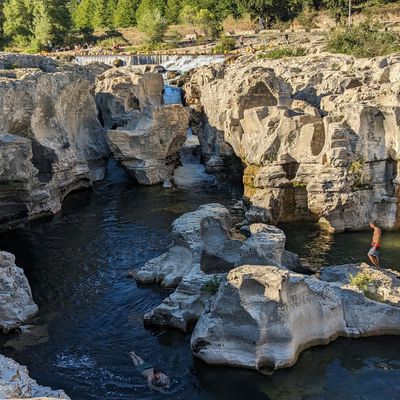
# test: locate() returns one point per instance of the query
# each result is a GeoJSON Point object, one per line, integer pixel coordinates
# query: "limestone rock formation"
{"type": "Point", "coordinates": [145, 135]}
{"type": "Point", "coordinates": [148, 147]}
{"type": "Point", "coordinates": [318, 136]}
{"type": "Point", "coordinates": [16, 302]}
{"type": "Point", "coordinates": [50, 139]}
{"type": "Point", "coordinates": [202, 250]}
{"type": "Point", "coordinates": [264, 316]}
{"type": "Point", "coordinates": [15, 383]}
{"type": "Point", "coordinates": [202, 253]}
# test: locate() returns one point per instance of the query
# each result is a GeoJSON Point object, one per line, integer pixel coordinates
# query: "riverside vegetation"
{"type": "Point", "coordinates": [36, 25]}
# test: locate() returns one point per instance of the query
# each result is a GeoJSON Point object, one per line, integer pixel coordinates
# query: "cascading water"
{"type": "Point", "coordinates": [191, 172]}
{"type": "Point", "coordinates": [179, 63]}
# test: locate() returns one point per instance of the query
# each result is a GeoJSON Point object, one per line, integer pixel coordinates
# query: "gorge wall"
{"type": "Point", "coordinates": [51, 141]}
{"type": "Point", "coordinates": [318, 136]}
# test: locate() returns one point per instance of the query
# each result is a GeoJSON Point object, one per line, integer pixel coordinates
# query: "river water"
{"type": "Point", "coordinates": [91, 313]}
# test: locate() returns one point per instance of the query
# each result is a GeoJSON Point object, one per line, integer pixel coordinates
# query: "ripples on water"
{"type": "Point", "coordinates": [76, 263]}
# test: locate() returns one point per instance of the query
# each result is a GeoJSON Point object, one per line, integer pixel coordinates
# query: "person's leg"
{"type": "Point", "coordinates": [136, 359]}
{"type": "Point", "coordinates": [371, 259]}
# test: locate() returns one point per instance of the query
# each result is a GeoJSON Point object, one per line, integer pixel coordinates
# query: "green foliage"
{"type": "Point", "coordinates": [225, 45]}
{"type": "Point", "coordinates": [366, 283]}
{"type": "Point", "coordinates": [361, 280]}
{"type": "Point", "coordinates": [36, 23]}
{"type": "Point", "coordinates": [271, 10]}
{"type": "Point", "coordinates": [83, 14]}
{"type": "Point", "coordinates": [173, 10]}
{"type": "Point", "coordinates": [152, 24]}
{"type": "Point", "coordinates": [357, 169]}
{"type": "Point", "coordinates": [103, 13]}
{"type": "Point", "coordinates": [282, 52]}
{"type": "Point", "coordinates": [150, 5]}
{"type": "Point", "coordinates": [201, 19]}
{"type": "Point", "coordinates": [364, 40]}
{"type": "Point", "coordinates": [125, 13]}
{"type": "Point", "coordinates": [211, 287]}
{"type": "Point", "coordinates": [18, 20]}
{"type": "Point", "coordinates": [300, 185]}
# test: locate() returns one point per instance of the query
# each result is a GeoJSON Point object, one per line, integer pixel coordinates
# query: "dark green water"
{"type": "Point", "coordinates": [76, 263]}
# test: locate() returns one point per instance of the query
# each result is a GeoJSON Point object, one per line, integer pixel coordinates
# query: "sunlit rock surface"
{"type": "Point", "coordinates": [318, 135]}
{"type": "Point", "coordinates": [15, 383]}
{"type": "Point", "coordinates": [263, 316]}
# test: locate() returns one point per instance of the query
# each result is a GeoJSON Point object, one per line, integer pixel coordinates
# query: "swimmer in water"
{"type": "Point", "coordinates": [156, 379]}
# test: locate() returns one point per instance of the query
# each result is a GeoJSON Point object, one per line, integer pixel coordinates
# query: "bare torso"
{"type": "Point", "coordinates": [376, 238]}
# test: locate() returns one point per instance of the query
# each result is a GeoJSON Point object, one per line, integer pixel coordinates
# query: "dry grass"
{"type": "Point", "coordinates": [244, 24]}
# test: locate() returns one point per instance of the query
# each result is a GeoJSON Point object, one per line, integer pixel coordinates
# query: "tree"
{"type": "Point", "coordinates": [201, 19]}
{"type": "Point", "coordinates": [83, 14]}
{"type": "Point", "coordinates": [125, 13]}
{"type": "Point", "coordinates": [173, 10]}
{"type": "Point", "coordinates": [268, 11]}
{"type": "Point", "coordinates": [18, 21]}
{"type": "Point", "coordinates": [1, 19]}
{"type": "Point", "coordinates": [103, 13]}
{"type": "Point", "coordinates": [150, 5]}
{"type": "Point", "coordinates": [152, 24]}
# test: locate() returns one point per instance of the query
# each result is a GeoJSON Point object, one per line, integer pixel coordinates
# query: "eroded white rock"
{"type": "Point", "coordinates": [16, 302]}
{"type": "Point", "coordinates": [15, 383]}
{"type": "Point", "coordinates": [264, 316]}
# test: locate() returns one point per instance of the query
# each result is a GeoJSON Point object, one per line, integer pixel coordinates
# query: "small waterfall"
{"type": "Point", "coordinates": [191, 172]}
{"type": "Point", "coordinates": [172, 95]}
{"type": "Point", "coordinates": [173, 63]}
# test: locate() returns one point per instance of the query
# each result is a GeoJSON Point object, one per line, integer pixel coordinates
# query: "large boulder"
{"type": "Point", "coordinates": [15, 383]}
{"type": "Point", "coordinates": [121, 91]}
{"type": "Point", "coordinates": [51, 141]}
{"type": "Point", "coordinates": [264, 316]}
{"type": "Point", "coordinates": [148, 147]}
{"type": "Point", "coordinates": [318, 136]}
{"type": "Point", "coordinates": [144, 134]}
{"type": "Point", "coordinates": [16, 302]}
{"type": "Point", "coordinates": [203, 252]}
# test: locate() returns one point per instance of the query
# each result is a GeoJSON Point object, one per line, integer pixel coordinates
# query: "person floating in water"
{"type": "Point", "coordinates": [373, 254]}
{"type": "Point", "coordinates": [156, 379]}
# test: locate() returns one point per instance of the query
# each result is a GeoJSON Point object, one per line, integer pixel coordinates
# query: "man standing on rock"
{"type": "Point", "coordinates": [373, 254]}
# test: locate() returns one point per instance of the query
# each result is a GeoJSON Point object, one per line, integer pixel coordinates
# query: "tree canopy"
{"type": "Point", "coordinates": [40, 22]}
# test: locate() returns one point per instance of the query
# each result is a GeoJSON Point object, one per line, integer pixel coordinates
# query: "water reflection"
{"type": "Point", "coordinates": [320, 248]}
